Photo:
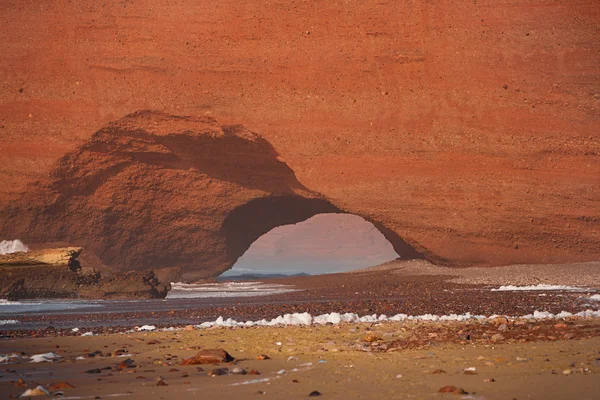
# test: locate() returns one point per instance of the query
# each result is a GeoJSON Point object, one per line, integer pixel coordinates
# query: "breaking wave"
{"type": "Point", "coordinates": [12, 246]}
{"type": "Point", "coordinates": [227, 289]}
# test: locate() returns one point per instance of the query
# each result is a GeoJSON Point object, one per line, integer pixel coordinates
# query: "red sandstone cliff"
{"type": "Point", "coordinates": [468, 128]}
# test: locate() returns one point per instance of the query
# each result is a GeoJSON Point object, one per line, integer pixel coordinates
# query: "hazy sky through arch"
{"type": "Point", "coordinates": [325, 243]}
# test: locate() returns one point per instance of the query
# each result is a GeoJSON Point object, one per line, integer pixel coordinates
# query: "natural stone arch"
{"type": "Point", "coordinates": [154, 191]}
{"type": "Point", "coordinates": [245, 224]}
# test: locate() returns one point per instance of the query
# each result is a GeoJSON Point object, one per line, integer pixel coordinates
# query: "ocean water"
{"type": "Point", "coordinates": [181, 296]}
{"type": "Point", "coordinates": [43, 306]}
{"type": "Point", "coordinates": [226, 289]}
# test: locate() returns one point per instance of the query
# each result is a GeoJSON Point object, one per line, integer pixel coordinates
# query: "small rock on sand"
{"type": "Point", "coordinates": [209, 356]}
{"type": "Point", "coordinates": [452, 389]}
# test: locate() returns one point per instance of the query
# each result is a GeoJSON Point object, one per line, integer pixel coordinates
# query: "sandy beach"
{"type": "Point", "coordinates": [493, 358]}
{"type": "Point", "coordinates": [541, 360]}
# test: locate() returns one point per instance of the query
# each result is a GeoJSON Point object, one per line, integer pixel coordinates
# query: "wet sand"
{"type": "Point", "coordinates": [410, 287]}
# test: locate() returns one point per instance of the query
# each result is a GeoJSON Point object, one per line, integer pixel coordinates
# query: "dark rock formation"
{"type": "Point", "coordinates": [57, 273]}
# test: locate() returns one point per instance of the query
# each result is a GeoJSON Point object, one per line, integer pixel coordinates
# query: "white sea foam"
{"type": "Point", "coordinates": [595, 297]}
{"type": "Point", "coordinates": [225, 289]}
{"type": "Point", "coordinates": [12, 246]}
{"type": "Point", "coordinates": [510, 288]}
{"type": "Point", "coordinates": [17, 307]}
{"type": "Point", "coordinates": [8, 322]}
{"type": "Point", "coordinates": [336, 318]}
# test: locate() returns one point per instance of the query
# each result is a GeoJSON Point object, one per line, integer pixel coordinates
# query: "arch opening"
{"type": "Point", "coordinates": [290, 235]}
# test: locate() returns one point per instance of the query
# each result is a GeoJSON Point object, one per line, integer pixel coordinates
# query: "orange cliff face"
{"type": "Point", "coordinates": [468, 130]}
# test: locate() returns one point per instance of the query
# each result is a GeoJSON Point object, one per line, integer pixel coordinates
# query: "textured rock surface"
{"type": "Point", "coordinates": [60, 257]}
{"type": "Point", "coordinates": [470, 128]}
{"type": "Point", "coordinates": [57, 273]}
{"type": "Point", "coordinates": [153, 191]}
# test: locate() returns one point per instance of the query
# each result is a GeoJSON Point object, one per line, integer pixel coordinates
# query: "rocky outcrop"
{"type": "Point", "coordinates": [189, 196]}
{"type": "Point", "coordinates": [60, 257]}
{"type": "Point", "coordinates": [154, 191]}
{"type": "Point", "coordinates": [58, 274]}
{"type": "Point", "coordinates": [470, 128]}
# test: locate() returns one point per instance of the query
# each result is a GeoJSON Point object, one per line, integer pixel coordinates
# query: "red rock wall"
{"type": "Point", "coordinates": [468, 128]}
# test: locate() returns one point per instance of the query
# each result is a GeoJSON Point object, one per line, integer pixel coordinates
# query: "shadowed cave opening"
{"type": "Point", "coordinates": [289, 235]}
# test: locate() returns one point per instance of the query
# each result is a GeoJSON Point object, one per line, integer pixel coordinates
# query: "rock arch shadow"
{"type": "Point", "coordinates": [247, 223]}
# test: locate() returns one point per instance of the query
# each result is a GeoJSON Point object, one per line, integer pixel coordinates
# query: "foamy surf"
{"type": "Point", "coordinates": [512, 288]}
{"type": "Point", "coordinates": [16, 307]}
{"type": "Point", "coordinates": [226, 289]}
{"type": "Point", "coordinates": [306, 319]}
{"type": "Point", "coordinates": [12, 246]}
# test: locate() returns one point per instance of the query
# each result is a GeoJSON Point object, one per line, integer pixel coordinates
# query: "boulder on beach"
{"type": "Point", "coordinates": [53, 273]}
{"type": "Point", "coordinates": [209, 356]}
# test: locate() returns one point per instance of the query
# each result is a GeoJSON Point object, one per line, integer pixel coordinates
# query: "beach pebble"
{"type": "Point", "coordinates": [93, 371]}
{"type": "Point", "coordinates": [315, 393]}
{"type": "Point", "coordinates": [209, 356]}
{"type": "Point", "coordinates": [38, 391]}
{"type": "Point", "coordinates": [497, 337]}
{"type": "Point", "coordinates": [452, 389]}
{"type": "Point", "coordinates": [238, 371]}
{"type": "Point", "coordinates": [263, 357]}
{"type": "Point", "coordinates": [61, 385]}
{"type": "Point", "coordinates": [219, 372]}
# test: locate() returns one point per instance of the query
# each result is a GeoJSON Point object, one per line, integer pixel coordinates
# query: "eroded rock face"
{"type": "Point", "coordinates": [469, 128]}
{"type": "Point", "coordinates": [154, 191]}
{"type": "Point", "coordinates": [56, 273]}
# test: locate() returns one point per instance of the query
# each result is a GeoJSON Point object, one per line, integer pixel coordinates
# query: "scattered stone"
{"type": "Point", "coordinates": [219, 372]}
{"type": "Point", "coordinates": [93, 371]}
{"type": "Point", "coordinates": [315, 393]}
{"type": "Point", "coordinates": [238, 371]}
{"type": "Point", "coordinates": [129, 363]}
{"type": "Point", "coordinates": [20, 383]}
{"type": "Point", "coordinates": [173, 370]}
{"type": "Point", "coordinates": [189, 328]}
{"type": "Point", "coordinates": [119, 352]}
{"type": "Point", "coordinates": [470, 373]}
{"type": "Point", "coordinates": [503, 328]}
{"type": "Point", "coordinates": [489, 380]}
{"type": "Point", "coordinates": [60, 386]}
{"type": "Point", "coordinates": [452, 389]}
{"type": "Point", "coordinates": [438, 371]}
{"type": "Point", "coordinates": [160, 382]}
{"type": "Point", "coordinates": [153, 342]}
{"type": "Point", "coordinates": [262, 357]}
{"type": "Point", "coordinates": [567, 372]}
{"type": "Point", "coordinates": [38, 391]}
{"type": "Point", "coordinates": [496, 337]}
{"type": "Point", "coordinates": [560, 326]}
{"type": "Point", "coordinates": [253, 372]}
{"type": "Point", "coordinates": [209, 356]}
{"type": "Point", "coordinates": [370, 338]}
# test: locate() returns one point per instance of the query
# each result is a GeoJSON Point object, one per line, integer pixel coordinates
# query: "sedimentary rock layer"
{"type": "Point", "coordinates": [57, 273]}
{"type": "Point", "coordinates": [468, 128]}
